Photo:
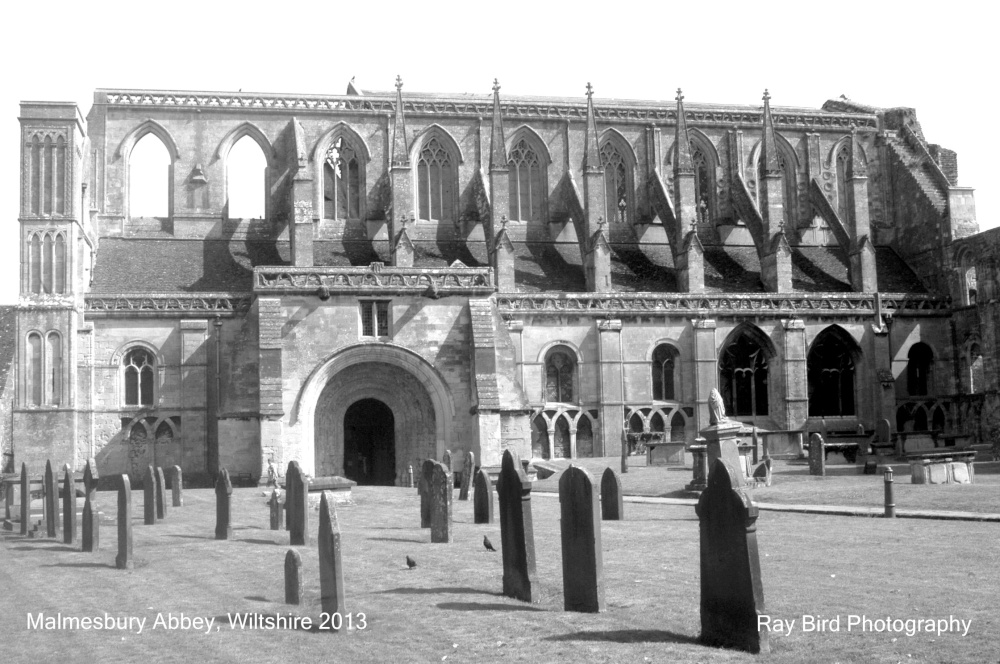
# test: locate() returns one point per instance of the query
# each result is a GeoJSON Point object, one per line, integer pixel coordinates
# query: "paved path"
{"type": "Point", "coordinates": [833, 510]}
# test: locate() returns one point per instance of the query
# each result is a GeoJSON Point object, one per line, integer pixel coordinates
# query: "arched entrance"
{"type": "Point", "coordinates": [370, 443]}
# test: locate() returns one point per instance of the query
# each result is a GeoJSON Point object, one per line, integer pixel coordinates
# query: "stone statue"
{"type": "Point", "coordinates": [716, 409]}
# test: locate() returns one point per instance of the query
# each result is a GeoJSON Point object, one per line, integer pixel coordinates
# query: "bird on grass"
{"type": "Point", "coordinates": [488, 544]}
{"type": "Point", "coordinates": [410, 562]}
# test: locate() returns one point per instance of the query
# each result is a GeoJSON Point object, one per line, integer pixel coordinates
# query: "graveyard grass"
{"type": "Point", "coordinates": [449, 607]}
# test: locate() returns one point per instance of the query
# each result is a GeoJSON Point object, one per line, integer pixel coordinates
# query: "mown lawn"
{"type": "Point", "coordinates": [449, 607]}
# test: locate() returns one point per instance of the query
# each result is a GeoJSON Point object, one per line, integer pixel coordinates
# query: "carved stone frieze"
{"type": "Point", "coordinates": [199, 304]}
{"type": "Point", "coordinates": [375, 279]}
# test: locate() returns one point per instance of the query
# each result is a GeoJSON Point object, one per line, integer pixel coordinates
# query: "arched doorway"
{"type": "Point", "coordinates": [369, 443]}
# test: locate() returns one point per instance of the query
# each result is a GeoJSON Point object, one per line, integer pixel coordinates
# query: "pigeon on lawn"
{"type": "Point", "coordinates": [410, 562]}
{"type": "Point", "coordinates": [488, 544]}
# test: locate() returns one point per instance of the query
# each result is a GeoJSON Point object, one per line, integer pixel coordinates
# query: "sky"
{"type": "Point", "coordinates": [938, 58]}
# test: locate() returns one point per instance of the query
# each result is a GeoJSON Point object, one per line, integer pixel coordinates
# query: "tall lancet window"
{"type": "Point", "coordinates": [527, 183]}
{"type": "Point", "coordinates": [342, 182]}
{"type": "Point", "coordinates": [617, 193]}
{"type": "Point", "coordinates": [436, 182]}
{"type": "Point", "coordinates": [704, 183]}
{"type": "Point", "coordinates": [139, 365]}
{"type": "Point", "coordinates": [843, 159]}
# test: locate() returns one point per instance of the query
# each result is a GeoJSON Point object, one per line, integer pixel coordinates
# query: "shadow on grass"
{"type": "Point", "coordinates": [397, 539]}
{"type": "Point", "coordinates": [628, 636]}
{"type": "Point", "coordinates": [256, 541]}
{"type": "Point", "coordinates": [105, 565]}
{"type": "Point", "coordinates": [197, 537]}
{"type": "Point", "coordinates": [257, 598]}
{"type": "Point", "coordinates": [479, 606]}
{"type": "Point", "coordinates": [44, 548]}
{"type": "Point", "coordinates": [436, 591]}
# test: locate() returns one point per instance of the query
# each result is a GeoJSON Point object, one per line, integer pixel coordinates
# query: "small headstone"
{"type": "Point", "coordinates": [69, 506]}
{"type": "Point", "coordinates": [482, 499]}
{"type": "Point", "coordinates": [277, 510]}
{"type": "Point", "coordinates": [149, 497]}
{"type": "Point", "coordinates": [424, 489]}
{"type": "Point", "coordinates": [51, 502]}
{"type": "Point", "coordinates": [297, 500]}
{"type": "Point", "coordinates": [124, 558]}
{"type": "Point", "coordinates": [293, 577]}
{"type": "Point", "coordinates": [331, 570]}
{"type": "Point", "coordinates": [446, 460]}
{"type": "Point", "coordinates": [25, 498]}
{"type": "Point", "coordinates": [177, 487]}
{"type": "Point", "coordinates": [612, 504]}
{"type": "Point", "coordinates": [817, 455]}
{"type": "Point", "coordinates": [408, 481]}
{"type": "Point", "coordinates": [516, 532]}
{"type": "Point", "coordinates": [732, 595]}
{"type": "Point", "coordinates": [960, 472]}
{"type": "Point", "coordinates": [161, 494]}
{"type": "Point", "coordinates": [441, 493]}
{"type": "Point", "coordinates": [91, 526]}
{"type": "Point", "coordinates": [223, 506]}
{"type": "Point", "coordinates": [467, 471]}
{"type": "Point", "coordinates": [883, 431]}
{"type": "Point", "coordinates": [580, 526]}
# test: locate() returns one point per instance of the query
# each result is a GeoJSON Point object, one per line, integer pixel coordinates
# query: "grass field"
{"type": "Point", "coordinates": [449, 608]}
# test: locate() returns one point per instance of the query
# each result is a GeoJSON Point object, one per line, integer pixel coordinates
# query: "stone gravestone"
{"type": "Point", "coordinates": [331, 570]}
{"type": "Point", "coordinates": [91, 525]}
{"type": "Point", "coordinates": [580, 525]}
{"type": "Point", "coordinates": [732, 596]}
{"type": "Point", "coordinates": [223, 506]}
{"type": "Point", "coordinates": [25, 498]}
{"type": "Point", "coordinates": [149, 497]}
{"type": "Point", "coordinates": [424, 489]}
{"type": "Point", "coordinates": [124, 558]}
{"type": "Point", "coordinates": [161, 494]}
{"type": "Point", "coordinates": [482, 500]}
{"type": "Point", "coordinates": [409, 477]}
{"type": "Point", "coordinates": [177, 487]}
{"type": "Point", "coordinates": [297, 501]}
{"type": "Point", "coordinates": [612, 505]}
{"type": "Point", "coordinates": [51, 502]}
{"type": "Point", "coordinates": [446, 460]}
{"type": "Point", "coordinates": [517, 536]}
{"type": "Point", "coordinates": [277, 510]}
{"type": "Point", "coordinates": [293, 577]}
{"type": "Point", "coordinates": [817, 455]}
{"type": "Point", "coordinates": [441, 493]}
{"type": "Point", "coordinates": [69, 506]}
{"type": "Point", "coordinates": [470, 462]}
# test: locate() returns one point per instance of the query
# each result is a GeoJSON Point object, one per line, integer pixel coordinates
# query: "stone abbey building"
{"type": "Point", "coordinates": [421, 272]}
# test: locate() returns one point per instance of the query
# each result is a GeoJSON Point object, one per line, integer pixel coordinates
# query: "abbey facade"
{"type": "Point", "coordinates": [420, 272]}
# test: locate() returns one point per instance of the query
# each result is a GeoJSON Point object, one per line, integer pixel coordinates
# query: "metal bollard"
{"type": "Point", "coordinates": [890, 503]}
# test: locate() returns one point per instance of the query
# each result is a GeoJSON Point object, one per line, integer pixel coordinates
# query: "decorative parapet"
{"type": "Point", "coordinates": [167, 304]}
{"type": "Point", "coordinates": [375, 279]}
{"type": "Point", "coordinates": [757, 304]}
{"type": "Point", "coordinates": [607, 110]}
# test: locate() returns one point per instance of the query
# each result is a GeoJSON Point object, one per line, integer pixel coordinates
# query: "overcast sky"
{"type": "Point", "coordinates": [939, 58]}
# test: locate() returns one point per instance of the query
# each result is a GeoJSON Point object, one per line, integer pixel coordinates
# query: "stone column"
{"type": "Point", "coordinates": [706, 374]}
{"type": "Point", "coordinates": [303, 225]}
{"type": "Point", "coordinates": [612, 386]}
{"type": "Point", "coordinates": [796, 402]}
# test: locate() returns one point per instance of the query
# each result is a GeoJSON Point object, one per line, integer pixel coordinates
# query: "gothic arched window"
{"type": "Point", "coordinates": [138, 373]}
{"type": "Point", "coordinates": [918, 369]}
{"type": "Point", "coordinates": [843, 159]}
{"type": "Point", "coordinates": [149, 178]}
{"type": "Point", "coordinates": [704, 185]}
{"type": "Point", "coordinates": [342, 186]}
{"type": "Point", "coordinates": [436, 182]}
{"type": "Point", "coordinates": [54, 365]}
{"type": "Point", "coordinates": [246, 180]}
{"type": "Point", "coordinates": [664, 366]}
{"type": "Point", "coordinates": [830, 370]}
{"type": "Point", "coordinates": [617, 189]}
{"type": "Point", "coordinates": [527, 183]}
{"type": "Point", "coordinates": [33, 366]}
{"type": "Point", "coordinates": [560, 370]}
{"type": "Point", "coordinates": [743, 377]}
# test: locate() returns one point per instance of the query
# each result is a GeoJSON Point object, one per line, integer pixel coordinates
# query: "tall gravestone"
{"type": "Point", "coordinates": [177, 487]}
{"type": "Point", "coordinates": [732, 595]}
{"type": "Point", "coordinates": [424, 488]}
{"type": "Point", "coordinates": [817, 455]}
{"type": "Point", "coordinates": [69, 506]}
{"type": "Point", "coordinates": [223, 506]}
{"type": "Point", "coordinates": [331, 569]}
{"type": "Point", "coordinates": [277, 510]}
{"type": "Point", "coordinates": [91, 527]}
{"type": "Point", "coordinates": [467, 471]}
{"type": "Point", "coordinates": [25, 498]}
{"type": "Point", "coordinates": [293, 577]}
{"type": "Point", "coordinates": [580, 526]}
{"type": "Point", "coordinates": [297, 500]}
{"type": "Point", "coordinates": [51, 502]}
{"type": "Point", "coordinates": [161, 494]}
{"type": "Point", "coordinates": [124, 558]}
{"type": "Point", "coordinates": [612, 505]}
{"type": "Point", "coordinates": [441, 493]}
{"type": "Point", "coordinates": [482, 498]}
{"type": "Point", "coordinates": [149, 497]}
{"type": "Point", "coordinates": [517, 535]}
{"type": "Point", "coordinates": [408, 481]}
